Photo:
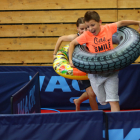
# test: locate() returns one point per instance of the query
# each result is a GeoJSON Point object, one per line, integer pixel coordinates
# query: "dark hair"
{"type": "Point", "coordinates": [80, 21]}
{"type": "Point", "coordinates": [91, 15]}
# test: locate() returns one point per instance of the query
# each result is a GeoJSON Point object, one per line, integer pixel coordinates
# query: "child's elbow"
{"type": "Point", "coordinates": [60, 38]}
{"type": "Point", "coordinates": [121, 23]}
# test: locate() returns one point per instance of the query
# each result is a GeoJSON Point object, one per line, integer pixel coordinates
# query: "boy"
{"type": "Point", "coordinates": [105, 86]}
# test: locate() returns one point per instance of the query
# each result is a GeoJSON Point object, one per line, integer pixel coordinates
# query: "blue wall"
{"type": "Point", "coordinates": [58, 92]}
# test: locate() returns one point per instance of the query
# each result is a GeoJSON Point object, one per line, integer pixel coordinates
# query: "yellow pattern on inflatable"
{"type": "Point", "coordinates": [62, 67]}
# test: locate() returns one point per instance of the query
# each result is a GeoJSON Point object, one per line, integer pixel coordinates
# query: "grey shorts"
{"type": "Point", "coordinates": [105, 87]}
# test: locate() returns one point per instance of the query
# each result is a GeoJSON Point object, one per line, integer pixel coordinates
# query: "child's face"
{"type": "Point", "coordinates": [93, 26]}
{"type": "Point", "coordinates": [81, 28]}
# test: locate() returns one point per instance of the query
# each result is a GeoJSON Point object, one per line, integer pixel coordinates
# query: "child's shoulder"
{"type": "Point", "coordinates": [109, 27]}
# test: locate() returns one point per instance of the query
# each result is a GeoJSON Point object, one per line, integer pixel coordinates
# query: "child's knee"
{"type": "Point", "coordinates": [90, 92]}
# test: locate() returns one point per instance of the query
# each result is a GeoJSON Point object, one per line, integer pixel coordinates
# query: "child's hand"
{"type": "Point", "coordinates": [71, 64]}
{"type": "Point", "coordinates": [54, 56]}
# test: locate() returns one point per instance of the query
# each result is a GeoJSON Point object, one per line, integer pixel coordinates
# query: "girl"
{"type": "Point", "coordinates": [83, 84]}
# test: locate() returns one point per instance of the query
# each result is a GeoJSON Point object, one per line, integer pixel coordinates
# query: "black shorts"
{"type": "Point", "coordinates": [83, 84]}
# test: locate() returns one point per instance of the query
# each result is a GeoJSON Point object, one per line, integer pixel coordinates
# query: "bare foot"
{"type": "Point", "coordinates": [77, 104]}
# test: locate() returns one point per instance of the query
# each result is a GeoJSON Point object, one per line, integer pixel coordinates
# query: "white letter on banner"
{"type": "Point", "coordinates": [62, 84]}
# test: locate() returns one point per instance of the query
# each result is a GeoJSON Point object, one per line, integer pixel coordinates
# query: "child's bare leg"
{"type": "Point", "coordinates": [92, 98]}
{"type": "Point", "coordinates": [78, 101]}
{"type": "Point", "coordinates": [114, 106]}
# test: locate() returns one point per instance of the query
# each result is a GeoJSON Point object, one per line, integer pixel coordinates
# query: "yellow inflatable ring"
{"type": "Point", "coordinates": [62, 67]}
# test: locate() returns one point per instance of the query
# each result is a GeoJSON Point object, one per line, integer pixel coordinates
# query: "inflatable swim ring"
{"type": "Point", "coordinates": [123, 55]}
{"type": "Point", "coordinates": [62, 67]}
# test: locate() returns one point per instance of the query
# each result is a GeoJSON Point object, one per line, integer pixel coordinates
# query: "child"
{"type": "Point", "coordinates": [81, 27]}
{"type": "Point", "coordinates": [105, 86]}
{"type": "Point", "coordinates": [83, 84]}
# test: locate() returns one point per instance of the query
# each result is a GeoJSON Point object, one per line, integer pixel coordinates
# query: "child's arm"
{"type": "Point", "coordinates": [61, 39]}
{"type": "Point", "coordinates": [128, 22]}
{"type": "Point", "coordinates": [71, 49]}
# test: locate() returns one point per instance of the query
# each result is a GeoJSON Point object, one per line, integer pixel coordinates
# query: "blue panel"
{"type": "Point", "coordinates": [129, 87]}
{"type": "Point", "coordinates": [55, 126]}
{"type": "Point", "coordinates": [27, 99]}
{"type": "Point", "coordinates": [10, 82]}
{"type": "Point", "coordinates": [124, 125]}
{"type": "Point", "coordinates": [57, 92]}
